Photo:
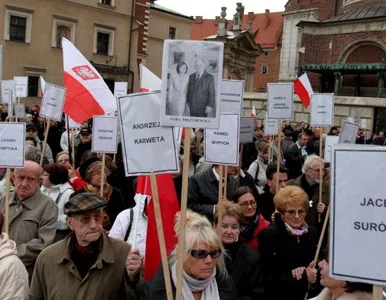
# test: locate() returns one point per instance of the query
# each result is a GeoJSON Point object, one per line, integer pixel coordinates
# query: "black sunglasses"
{"type": "Point", "coordinates": [202, 254]}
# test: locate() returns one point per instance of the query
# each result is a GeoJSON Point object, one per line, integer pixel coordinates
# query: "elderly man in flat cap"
{"type": "Point", "coordinates": [87, 264]}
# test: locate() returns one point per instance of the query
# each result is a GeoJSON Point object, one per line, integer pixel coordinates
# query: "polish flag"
{"type": "Point", "coordinates": [303, 89]}
{"type": "Point", "coordinates": [149, 81]}
{"type": "Point", "coordinates": [253, 114]}
{"type": "Point", "coordinates": [87, 93]}
{"type": "Point", "coordinates": [42, 85]}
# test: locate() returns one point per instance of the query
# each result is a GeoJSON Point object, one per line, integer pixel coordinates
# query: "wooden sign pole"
{"type": "Point", "coordinates": [278, 155]}
{"type": "Point", "coordinates": [225, 182]}
{"type": "Point", "coordinates": [377, 292]}
{"type": "Point", "coordinates": [103, 174]}
{"type": "Point", "coordinates": [45, 141]}
{"type": "Point", "coordinates": [6, 212]}
{"type": "Point", "coordinates": [320, 172]}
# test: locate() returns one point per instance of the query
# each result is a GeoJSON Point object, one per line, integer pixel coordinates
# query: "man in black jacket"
{"type": "Point", "coordinates": [203, 190]}
{"type": "Point", "coordinates": [296, 155]}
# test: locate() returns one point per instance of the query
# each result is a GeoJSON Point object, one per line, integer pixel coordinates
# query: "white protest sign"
{"type": "Point", "coordinates": [364, 123]}
{"type": "Point", "coordinates": [8, 92]}
{"type": "Point", "coordinates": [120, 89]}
{"type": "Point", "coordinates": [10, 108]}
{"type": "Point", "coordinates": [20, 108]}
{"type": "Point", "coordinates": [358, 204]}
{"type": "Point", "coordinates": [12, 139]}
{"type": "Point", "coordinates": [322, 109]}
{"type": "Point", "coordinates": [331, 140]}
{"type": "Point", "coordinates": [53, 101]}
{"type": "Point", "coordinates": [247, 128]}
{"type": "Point", "coordinates": [104, 134]}
{"type": "Point", "coordinates": [222, 145]}
{"type": "Point", "coordinates": [21, 86]}
{"type": "Point", "coordinates": [232, 93]}
{"type": "Point", "coordinates": [280, 101]}
{"type": "Point", "coordinates": [349, 133]}
{"type": "Point", "coordinates": [356, 115]}
{"type": "Point", "coordinates": [271, 127]}
{"type": "Point", "coordinates": [147, 147]}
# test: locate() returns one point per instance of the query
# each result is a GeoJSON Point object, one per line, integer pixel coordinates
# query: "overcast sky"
{"type": "Point", "coordinates": [211, 8]}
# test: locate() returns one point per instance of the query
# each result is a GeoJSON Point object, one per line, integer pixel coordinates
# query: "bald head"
{"type": "Point", "coordinates": [26, 180]}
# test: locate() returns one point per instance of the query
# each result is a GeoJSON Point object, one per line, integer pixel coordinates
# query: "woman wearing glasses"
{"type": "Point", "coordinates": [205, 276]}
{"type": "Point", "coordinates": [287, 247]}
{"type": "Point", "coordinates": [242, 262]}
{"type": "Point", "coordinates": [253, 222]}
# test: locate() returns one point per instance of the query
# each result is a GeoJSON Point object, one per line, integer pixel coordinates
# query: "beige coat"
{"type": "Point", "coordinates": [13, 275]}
{"type": "Point", "coordinates": [32, 225]}
{"type": "Point", "coordinates": [326, 295]}
{"type": "Point", "coordinates": [56, 276]}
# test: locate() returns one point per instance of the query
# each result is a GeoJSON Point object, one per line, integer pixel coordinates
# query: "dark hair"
{"type": "Point", "coordinates": [30, 138]}
{"type": "Point", "coordinates": [272, 169]}
{"type": "Point", "coordinates": [58, 174]}
{"type": "Point", "coordinates": [86, 155]}
{"type": "Point", "coordinates": [288, 133]}
{"type": "Point", "coordinates": [352, 287]}
{"type": "Point", "coordinates": [179, 66]}
{"type": "Point", "coordinates": [1, 221]}
{"type": "Point", "coordinates": [241, 191]}
{"type": "Point", "coordinates": [301, 135]}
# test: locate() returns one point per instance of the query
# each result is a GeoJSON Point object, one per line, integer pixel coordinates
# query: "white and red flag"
{"type": "Point", "coordinates": [149, 81]}
{"type": "Point", "coordinates": [87, 93]}
{"type": "Point", "coordinates": [42, 85]}
{"type": "Point", "coordinates": [303, 89]}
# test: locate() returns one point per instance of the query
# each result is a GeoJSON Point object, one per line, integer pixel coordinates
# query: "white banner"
{"type": "Point", "coordinates": [357, 227]}
{"type": "Point", "coordinates": [349, 133]}
{"type": "Point", "coordinates": [322, 109]}
{"type": "Point", "coordinates": [356, 115]}
{"type": "Point", "coordinates": [271, 126]}
{"type": "Point", "coordinates": [280, 101]}
{"type": "Point", "coordinates": [222, 145]}
{"type": "Point", "coordinates": [104, 134]}
{"type": "Point", "coordinates": [21, 86]}
{"type": "Point", "coordinates": [12, 139]}
{"type": "Point", "coordinates": [331, 140]}
{"type": "Point", "coordinates": [8, 91]}
{"type": "Point", "coordinates": [364, 123]}
{"type": "Point", "coordinates": [232, 93]}
{"type": "Point", "coordinates": [20, 108]}
{"type": "Point", "coordinates": [147, 146]}
{"type": "Point", "coordinates": [247, 128]}
{"type": "Point", "coordinates": [53, 101]}
{"type": "Point", "coordinates": [120, 89]}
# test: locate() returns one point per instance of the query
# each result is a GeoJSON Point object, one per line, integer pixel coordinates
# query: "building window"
{"type": "Point", "coordinates": [172, 33]}
{"type": "Point", "coordinates": [33, 86]}
{"type": "Point", "coordinates": [17, 24]}
{"type": "Point", "coordinates": [104, 41]}
{"type": "Point", "coordinates": [107, 2]}
{"type": "Point", "coordinates": [62, 28]}
{"type": "Point", "coordinates": [264, 69]}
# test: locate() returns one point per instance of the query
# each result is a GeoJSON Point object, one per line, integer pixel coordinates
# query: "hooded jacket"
{"type": "Point", "coordinates": [14, 276]}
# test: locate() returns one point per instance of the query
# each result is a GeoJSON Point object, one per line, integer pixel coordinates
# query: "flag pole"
{"type": "Point", "coordinates": [45, 141]}
{"type": "Point", "coordinates": [184, 202]}
{"type": "Point", "coordinates": [102, 174]}
{"type": "Point", "coordinates": [161, 236]}
{"type": "Point", "coordinates": [73, 146]}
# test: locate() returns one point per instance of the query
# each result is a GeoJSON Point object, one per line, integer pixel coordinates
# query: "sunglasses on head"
{"type": "Point", "coordinates": [202, 254]}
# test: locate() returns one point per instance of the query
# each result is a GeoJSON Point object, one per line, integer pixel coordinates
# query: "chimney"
{"type": "Point", "coordinates": [266, 18]}
{"type": "Point", "coordinates": [217, 19]}
{"type": "Point", "coordinates": [198, 20]}
{"type": "Point", "coordinates": [251, 16]}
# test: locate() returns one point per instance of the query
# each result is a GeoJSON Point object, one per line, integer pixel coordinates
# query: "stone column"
{"type": "Point", "coordinates": [381, 84]}
{"type": "Point", "coordinates": [337, 83]}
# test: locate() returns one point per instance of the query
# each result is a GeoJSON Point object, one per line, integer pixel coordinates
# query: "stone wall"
{"type": "Point", "coordinates": [343, 108]}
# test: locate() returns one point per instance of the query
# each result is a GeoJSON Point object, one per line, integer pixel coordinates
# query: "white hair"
{"type": "Point", "coordinates": [310, 160]}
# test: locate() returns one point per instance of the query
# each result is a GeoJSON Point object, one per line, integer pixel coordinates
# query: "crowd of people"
{"type": "Point", "coordinates": [68, 241]}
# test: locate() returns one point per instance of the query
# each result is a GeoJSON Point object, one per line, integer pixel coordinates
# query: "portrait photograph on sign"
{"type": "Point", "coordinates": [191, 83]}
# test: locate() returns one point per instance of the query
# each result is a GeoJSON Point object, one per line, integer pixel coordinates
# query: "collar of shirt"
{"type": "Point", "coordinates": [300, 147]}
{"type": "Point", "coordinates": [215, 174]}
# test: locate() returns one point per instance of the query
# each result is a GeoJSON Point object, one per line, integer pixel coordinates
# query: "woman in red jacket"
{"type": "Point", "coordinates": [254, 223]}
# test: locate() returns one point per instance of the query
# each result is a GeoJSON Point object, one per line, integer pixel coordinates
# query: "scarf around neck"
{"type": "Point", "coordinates": [295, 232]}
{"type": "Point", "coordinates": [208, 287]}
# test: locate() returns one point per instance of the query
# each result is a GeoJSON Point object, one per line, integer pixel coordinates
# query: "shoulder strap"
{"type": "Point", "coordinates": [257, 173]}
{"type": "Point", "coordinates": [130, 225]}
{"type": "Point", "coordinates": [60, 195]}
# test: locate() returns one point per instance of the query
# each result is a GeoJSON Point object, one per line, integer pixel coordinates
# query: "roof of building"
{"type": "Point", "coordinates": [168, 10]}
{"type": "Point", "coordinates": [267, 36]}
{"type": "Point", "coordinates": [360, 13]}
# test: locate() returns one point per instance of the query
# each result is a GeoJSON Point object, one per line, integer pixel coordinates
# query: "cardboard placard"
{"type": "Point", "coordinates": [357, 226]}
{"type": "Point", "coordinates": [20, 108]}
{"type": "Point", "coordinates": [12, 140]}
{"type": "Point", "coordinates": [364, 123]}
{"type": "Point", "coordinates": [104, 134]}
{"type": "Point", "coordinates": [191, 83]}
{"type": "Point", "coordinates": [322, 109]}
{"type": "Point", "coordinates": [356, 115]}
{"type": "Point", "coordinates": [247, 128]}
{"type": "Point", "coordinates": [120, 89]}
{"type": "Point", "coordinates": [271, 127]}
{"type": "Point", "coordinates": [222, 145]}
{"type": "Point", "coordinates": [232, 94]}
{"type": "Point", "coordinates": [53, 102]}
{"type": "Point", "coordinates": [349, 133]}
{"type": "Point", "coordinates": [280, 101]}
{"type": "Point", "coordinates": [21, 86]}
{"type": "Point", "coordinates": [8, 92]}
{"type": "Point", "coordinates": [146, 145]}
{"type": "Point", "coordinates": [331, 140]}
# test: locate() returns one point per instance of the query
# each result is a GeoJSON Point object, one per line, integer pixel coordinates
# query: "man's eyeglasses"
{"type": "Point", "coordinates": [293, 213]}
{"type": "Point", "coordinates": [86, 219]}
{"type": "Point", "coordinates": [247, 204]}
{"type": "Point", "coordinates": [202, 254]}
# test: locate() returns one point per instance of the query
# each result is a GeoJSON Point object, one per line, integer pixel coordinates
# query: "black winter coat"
{"type": "Point", "coordinates": [294, 161]}
{"type": "Point", "coordinates": [280, 254]}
